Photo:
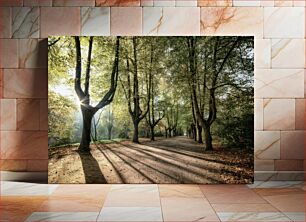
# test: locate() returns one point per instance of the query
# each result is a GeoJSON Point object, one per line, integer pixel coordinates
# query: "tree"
{"type": "Point", "coordinates": [132, 93]}
{"type": "Point", "coordinates": [88, 111]}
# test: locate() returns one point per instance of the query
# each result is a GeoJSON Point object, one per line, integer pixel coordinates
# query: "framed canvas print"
{"type": "Point", "coordinates": [131, 109]}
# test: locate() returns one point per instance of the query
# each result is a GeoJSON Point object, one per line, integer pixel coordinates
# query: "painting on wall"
{"type": "Point", "coordinates": [134, 109]}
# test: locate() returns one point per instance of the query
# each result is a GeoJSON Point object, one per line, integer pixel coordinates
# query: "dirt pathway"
{"type": "Point", "coordinates": [172, 160]}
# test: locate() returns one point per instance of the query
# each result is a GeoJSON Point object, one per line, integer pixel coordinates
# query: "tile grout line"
{"type": "Point", "coordinates": [161, 208]}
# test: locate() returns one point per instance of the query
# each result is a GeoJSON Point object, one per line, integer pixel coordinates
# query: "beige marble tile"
{"type": "Point", "coordinates": [186, 3]}
{"type": "Point", "coordinates": [182, 191]}
{"type": "Point", "coordinates": [187, 209]}
{"type": "Point", "coordinates": [284, 49]}
{"type": "Point", "coordinates": [278, 19]}
{"type": "Point", "coordinates": [266, 3]}
{"type": "Point", "coordinates": [230, 194]}
{"type": "Point", "coordinates": [262, 58]}
{"type": "Point", "coordinates": [299, 3]}
{"type": "Point", "coordinates": [277, 83]}
{"type": "Point", "coordinates": [25, 83]}
{"type": "Point", "coordinates": [9, 53]}
{"type": "Point", "coordinates": [8, 114]}
{"type": "Point", "coordinates": [263, 165]}
{"type": "Point", "coordinates": [33, 53]}
{"type": "Point", "coordinates": [300, 114]}
{"type": "Point", "coordinates": [5, 22]}
{"type": "Point", "coordinates": [232, 21]}
{"type": "Point", "coordinates": [292, 144]}
{"type": "Point", "coordinates": [253, 216]}
{"type": "Point", "coordinates": [267, 145]}
{"type": "Point", "coordinates": [248, 3]}
{"type": "Point", "coordinates": [126, 21]}
{"type": "Point", "coordinates": [279, 114]}
{"type": "Point", "coordinates": [95, 21]}
{"type": "Point", "coordinates": [133, 196]}
{"type": "Point", "coordinates": [28, 114]}
{"type": "Point", "coordinates": [258, 111]}
{"type": "Point", "coordinates": [25, 22]}
{"type": "Point", "coordinates": [283, 3]}
{"type": "Point", "coordinates": [220, 3]}
{"type": "Point", "coordinates": [51, 17]}
{"type": "Point", "coordinates": [23, 144]}
{"type": "Point", "coordinates": [263, 207]}
{"type": "Point", "coordinates": [146, 2]}
{"type": "Point", "coordinates": [73, 3]}
{"type": "Point", "coordinates": [171, 21]}
{"type": "Point", "coordinates": [129, 214]}
{"type": "Point", "coordinates": [163, 3]}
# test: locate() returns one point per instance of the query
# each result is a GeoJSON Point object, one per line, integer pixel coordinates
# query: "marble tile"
{"type": "Point", "coordinates": [249, 3]}
{"type": "Point", "coordinates": [25, 22]}
{"type": "Point", "coordinates": [13, 165]}
{"type": "Point", "coordinates": [9, 53]}
{"type": "Point", "coordinates": [284, 3]}
{"type": "Point", "coordinates": [171, 21]}
{"type": "Point", "coordinates": [279, 176]}
{"type": "Point", "coordinates": [258, 111]}
{"type": "Point", "coordinates": [118, 3]}
{"type": "Point", "coordinates": [295, 216]}
{"type": "Point", "coordinates": [253, 216]}
{"type": "Point", "coordinates": [8, 114]}
{"type": "Point", "coordinates": [67, 3]}
{"type": "Point", "coordinates": [186, 3]}
{"type": "Point", "coordinates": [299, 3]}
{"type": "Point", "coordinates": [264, 207]}
{"type": "Point", "coordinates": [267, 3]}
{"type": "Point", "coordinates": [276, 184]}
{"type": "Point", "coordinates": [126, 21]}
{"type": "Point", "coordinates": [210, 3]}
{"type": "Point", "coordinates": [33, 53]}
{"type": "Point", "coordinates": [28, 114]}
{"type": "Point", "coordinates": [300, 114]}
{"type": "Point", "coordinates": [282, 51]}
{"type": "Point", "coordinates": [23, 144]}
{"type": "Point", "coordinates": [279, 114]}
{"type": "Point", "coordinates": [9, 188]}
{"type": "Point", "coordinates": [71, 204]}
{"type": "Point", "coordinates": [285, 200]}
{"type": "Point", "coordinates": [274, 83]}
{"type": "Point", "coordinates": [267, 145]}
{"type": "Point", "coordinates": [63, 216]}
{"type": "Point", "coordinates": [262, 50]}
{"type": "Point", "coordinates": [91, 191]}
{"type": "Point", "coordinates": [262, 165]}
{"type": "Point", "coordinates": [37, 2]}
{"type": "Point", "coordinates": [133, 196]}
{"type": "Point", "coordinates": [289, 165]}
{"type": "Point", "coordinates": [278, 19]}
{"type": "Point", "coordinates": [18, 208]}
{"type": "Point", "coordinates": [5, 3]}
{"type": "Point", "coordinates": [187, 209]}
{"type": "Point", "coordinates": [5, 22]}
{"type": "Point", "coordinates": [95, 21]}
{"type": "Point", "coordinates": [232, 21]}
{"type": "Point", "coordinates": [183, 191]}
{"type": "Point", "coordinates": [52, 16]}
{"type": "Point", "coordinates": [230, 194]}
{"type": "Point", "coordinates": [1, 83]}
{"type": "Point", "coordinates": [25, 83]}
{"type": "Point", "coordinates": [43, 114]}
{"type": "Point", "coordinates": [130, 214]}
{"type": "Point", "coordinates": [292, 145]}
{"type": "Point", "coordinates": [163, 3]}
{"type": "Point", "coordinates": [146, 2]}
{"type": "Point", "coordinates": [37, 165]}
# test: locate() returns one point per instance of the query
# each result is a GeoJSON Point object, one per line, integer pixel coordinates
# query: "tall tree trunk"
{"type": "Point", "coordinates": [86, 132]}
{"type": "Point", "coordinates": [200, 140]}
{"type": "Point", "coordinates": [109, 130]}
{"type": "Point", "coordinates": [208, 138]}
{"type": "Point", "coordinates": [152, 133]}
{"type": "Point", "coordinates": [135, 136]}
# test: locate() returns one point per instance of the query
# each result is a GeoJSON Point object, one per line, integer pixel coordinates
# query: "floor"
{"type": "Point", "coordinates": [266, 201]}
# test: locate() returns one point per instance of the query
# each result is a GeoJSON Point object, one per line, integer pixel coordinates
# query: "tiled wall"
{"type": "Point", "coordinates": [278, 26]}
